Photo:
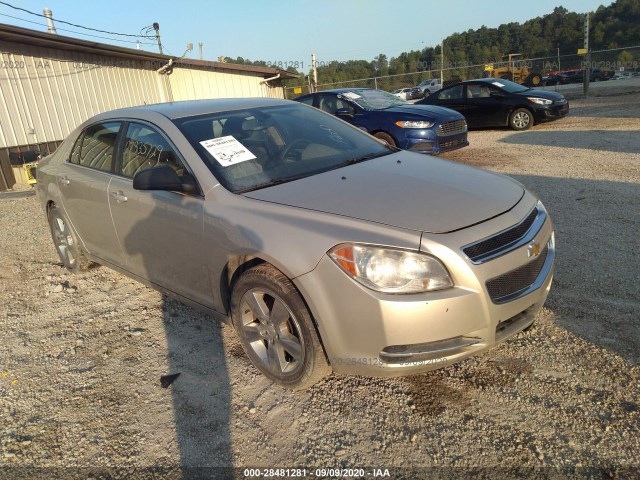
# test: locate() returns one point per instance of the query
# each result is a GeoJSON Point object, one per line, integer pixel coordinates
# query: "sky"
{"type": "Point", "coordinates": [285, 30]}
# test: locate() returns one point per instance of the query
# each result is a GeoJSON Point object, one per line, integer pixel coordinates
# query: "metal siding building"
{"type": "Point", "coordinates": [49, 84]}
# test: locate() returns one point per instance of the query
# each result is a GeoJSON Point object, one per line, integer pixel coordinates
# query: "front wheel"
{"type": "Point", "coordinates": [276, 329]}
{"type": "Point", "coordinates": [533, 80]}
{"type": "Point", "coordinates": [385, 137]}
{"type": "Point", "coordinates": [520, 119]}
{"type": "Point", "coordinates": [66, 242]}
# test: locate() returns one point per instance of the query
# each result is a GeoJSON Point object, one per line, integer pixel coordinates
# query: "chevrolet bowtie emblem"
{"type": "Point", "coordinates": [533, 250]}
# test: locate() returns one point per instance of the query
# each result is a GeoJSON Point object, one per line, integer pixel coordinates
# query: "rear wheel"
{"type": "Point", "coordinates": [276, 329]}
{"type": "Point", "coordinates": [385, 137]}
{"type": "Point", "coordinates": [520, 119]}
{"type": "Point", "coordinates": [66, 242]}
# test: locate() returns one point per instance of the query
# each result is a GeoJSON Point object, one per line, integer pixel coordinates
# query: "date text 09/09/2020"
{"type": "Point", "coordinates": [318, 472]}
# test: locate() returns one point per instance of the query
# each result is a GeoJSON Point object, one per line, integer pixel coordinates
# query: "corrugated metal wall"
{"type": "Point", "coordinates": [193, 84]}
{"type": "Point", "coordinates": [46, 93]}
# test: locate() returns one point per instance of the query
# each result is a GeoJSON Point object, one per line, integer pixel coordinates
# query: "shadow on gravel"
{"type": "Point", "coordinates": [201, 393]}
{"type": "Point", "coordinates": [596, 293]}
{"type": "Point", "coordinates": [165, 245]}
{"type": "Point", "coordinates": [626, 141]}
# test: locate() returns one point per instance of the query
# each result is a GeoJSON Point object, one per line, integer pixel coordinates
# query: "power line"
{"type": "Point", "coordinates": [78, 33]}
{"type": "Point", "coordinates": [69, 23]}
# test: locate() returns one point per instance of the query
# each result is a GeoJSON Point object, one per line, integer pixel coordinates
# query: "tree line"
{"type": "Point", "coordinates": [558, 33]}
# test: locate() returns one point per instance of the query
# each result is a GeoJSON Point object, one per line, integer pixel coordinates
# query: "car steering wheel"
{"type": "Point", "coordinates": [298, 144]}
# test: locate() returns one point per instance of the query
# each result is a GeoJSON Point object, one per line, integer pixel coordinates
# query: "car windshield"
{"type": "Point", "coordinates": [257, 148]}
{"type": "Point", "coordinates": [373, 99]}
{"type": "Point", "coordinates": [509, 86]}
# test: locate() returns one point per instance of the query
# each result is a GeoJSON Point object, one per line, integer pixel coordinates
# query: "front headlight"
{"type": "Point", "coordinates": [540, 101]}
{"type": "Point", "coordinates": [414, 124]}
{"type": "Point", "coordinates": [389, 270]}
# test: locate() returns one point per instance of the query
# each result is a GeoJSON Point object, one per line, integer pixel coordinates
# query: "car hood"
{"type": "Point", "coordinates": [405, 190]}
{"type": "Point", "coordinates": [549, 95]}
{"type": "Point", "coordinates": [433, 112]}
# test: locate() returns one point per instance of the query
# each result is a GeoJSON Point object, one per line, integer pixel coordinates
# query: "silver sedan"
{"type": "Point", "coordinates": [324, 248]}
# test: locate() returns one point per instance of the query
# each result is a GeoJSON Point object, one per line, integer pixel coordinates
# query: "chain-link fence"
{"type": "Point", "coordinates": [551, 70]}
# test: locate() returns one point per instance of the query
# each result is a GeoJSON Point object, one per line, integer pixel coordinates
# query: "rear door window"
{"type": "Point", "coordinates": [95, 147]}
{"type": "Point", "coordinates": [453, 93]}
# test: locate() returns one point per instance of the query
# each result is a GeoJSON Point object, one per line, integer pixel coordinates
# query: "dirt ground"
{"type": "Point", "coordinates": [81, 356]}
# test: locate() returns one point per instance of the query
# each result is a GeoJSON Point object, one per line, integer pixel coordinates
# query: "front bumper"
{"type": "Point", "coordinates": [553, 112]}
{"type": "Point", "coordinates": [370, 333]}
{"type": "Point", "coordinates": [426, 141]}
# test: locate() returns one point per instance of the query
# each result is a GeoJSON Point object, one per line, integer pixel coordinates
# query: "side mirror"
{"type": "Point", "coordinates": [161, 178]}
{"type": "Point", "coordinates": [343, 112]}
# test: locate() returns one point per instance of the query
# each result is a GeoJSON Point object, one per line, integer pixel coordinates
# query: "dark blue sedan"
{"type": "Point", "coordinates": [419, 128]}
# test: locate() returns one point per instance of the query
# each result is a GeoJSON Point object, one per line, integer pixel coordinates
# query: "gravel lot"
{"type": "Point", "coordinates": [81, 356]}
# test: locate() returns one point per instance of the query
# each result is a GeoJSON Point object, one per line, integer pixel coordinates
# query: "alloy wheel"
{"type": "Point", "coordinates": [521, 120]}
{"type": "Point", "coordinates": [272, 331]}
{"type": "Point", "coordinates": [63, 240]}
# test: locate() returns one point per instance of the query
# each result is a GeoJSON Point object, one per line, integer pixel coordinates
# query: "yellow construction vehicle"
{"type": "Point", "coordinates": [513, 67]}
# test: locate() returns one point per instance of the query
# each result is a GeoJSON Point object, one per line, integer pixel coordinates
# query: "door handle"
{"type": "Point", "coordinates": [64, 181]}
{"type": "Point", "coordinates": [119, 197]}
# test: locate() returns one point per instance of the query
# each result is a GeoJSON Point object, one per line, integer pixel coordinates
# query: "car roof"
{"type": "Point", "coordinates": [345, 90]}
{"type": "Point", "coordinates": [191, 108]}
{"type": "Point", "coordinates": [480, 80]}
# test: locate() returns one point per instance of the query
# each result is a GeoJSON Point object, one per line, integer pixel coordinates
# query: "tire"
{"type": "Point", "coordinates": [385, 137]}
{"type": "Point", "coordinates": [521, 119]}
{"type": "Point", "coordinates": [426, 93]}
{"type": "Point", "coordinates": [66, 242]}
{"type": "Point", "coordinates": [276, 329]}
{"type": "Point", "coordinates": [533, 80]}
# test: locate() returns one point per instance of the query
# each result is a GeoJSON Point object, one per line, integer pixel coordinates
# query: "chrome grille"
{"type": "Point", "coordinates": [452, 128]}
{"type": "Point", "coordinates": [503, 288]}
{"type": "Point", "coordinates": [502, 241]}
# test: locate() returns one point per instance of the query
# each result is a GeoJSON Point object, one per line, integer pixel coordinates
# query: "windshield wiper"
{"type": "Point", "coordinates": [368, 156]}
{"type": "Point", "coordinates": [271, 183]}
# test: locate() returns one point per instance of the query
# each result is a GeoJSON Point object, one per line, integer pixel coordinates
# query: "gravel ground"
{"type": "Point", "coordinates": [81, 356]}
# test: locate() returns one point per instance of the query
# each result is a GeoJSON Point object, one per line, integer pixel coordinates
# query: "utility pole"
{"type": "Point", "coordinates": [200, 45]}
{"type": "Point", "coordinates": [442, 63]}
{"type": "Point", "coordinates": [559, 57]}
{"type": "Point", "coordinates": [314, 70]}
{"type": "Point", "coordinates": [156, 27]}
{"type": "Point", "coordinates": [587, 57]}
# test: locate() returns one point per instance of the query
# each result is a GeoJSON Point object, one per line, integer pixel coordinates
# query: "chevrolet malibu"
{"type": "Point", "coordinates": [325, 248]}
